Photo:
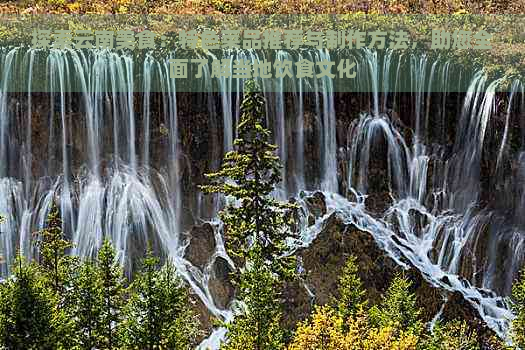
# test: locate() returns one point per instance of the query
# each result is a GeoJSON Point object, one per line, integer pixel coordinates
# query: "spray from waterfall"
{"type": "Point", "coordinates": [119, 164]}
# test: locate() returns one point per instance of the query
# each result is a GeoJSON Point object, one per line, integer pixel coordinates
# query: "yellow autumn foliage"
{"type": "Point", "coordinates": [325, 331]}
{"type": "Point", "coordinates": [388, 338]}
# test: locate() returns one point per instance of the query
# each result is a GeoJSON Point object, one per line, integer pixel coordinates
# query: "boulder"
{"type": "Point", "coordinates": [219, 284]}
{"type": "Point", "coordinates": [316, 205]}
{"type": "Point", "coordinates": [297, 303]}
{"type": "Point", "coordinates": [201, 246]}
{"type": "Point", "coordinates": [324, 259]}
{"type": "Point", "coordinates": [206, 319]}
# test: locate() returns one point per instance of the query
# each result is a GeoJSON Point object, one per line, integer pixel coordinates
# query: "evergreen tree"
{"type": "Point", "coordinates": [158, 313]}
{"type": "Point", "coordinates": [351, 298]}
{"type": "Point", "coordinates": [518, 307]}
{"type": "Point", "coordinates": [256, 228]}
{"type": "Point", "coordinates": [57, 268]}
{"type": "Point", "coordinates": [112, 282]}
{"type": "Point", "coordinates": [398, 308]}
{"type": "Point", "coordinates": [53, 247]}
{"type": "Point", "coordinates": [86, 305]}
{"type": "Point", "coordinates": [26, 310]}
{"type": "Point", "coordinates": [258, 327]}
{"type": "Point", "coordinates": [250, 174]}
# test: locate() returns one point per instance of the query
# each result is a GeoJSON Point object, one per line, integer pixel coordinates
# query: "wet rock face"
{"type": "Point", "coordinates": [297, 303]}
{"type": "Point", "coordinates": [324, 259]}
{"type": "Point", "coordinates": [456, 307]}
{"type": "Point", "coordinates": [200, 253]}
{"type": "Point", "coordinates": [316, 206]}
{"type": "Point", "coordinates": [322, 262]}
{"type": "Point", "coordinates": [220, 285]}
{"type": "Point", "coordinates": [378, 201]}
{"type": "Point", "coordinates": [201, 246]}
{"type": "Point", "coordinates": [206, 319]}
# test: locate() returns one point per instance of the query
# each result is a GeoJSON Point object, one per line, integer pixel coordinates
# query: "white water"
{"type": "Point", "coordinates": [102, 162]}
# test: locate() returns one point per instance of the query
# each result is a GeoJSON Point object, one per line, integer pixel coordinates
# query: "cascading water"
{"type": "Point", "coordinates": [123, 164]}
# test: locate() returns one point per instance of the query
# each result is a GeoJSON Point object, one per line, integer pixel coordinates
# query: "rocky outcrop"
{"type": "Point", "coordinates": [316, 206]}
{"type": "Point", "coordinates": [222, 292]}
{"type": "Point", "coordinates": [322, 262]}
{"type": "Point", "coordinates": [325, 257]}
{"type": "Point", "coordinates": [220, 285]}
{"type": "Point", "coordinates": [456, 307]}
{"type": "Point", "coordinates": [201, 246]}
{"type": "Point", "coordinates": [206, 319]}
{"type": "Point", "coordinates": [199, 252]}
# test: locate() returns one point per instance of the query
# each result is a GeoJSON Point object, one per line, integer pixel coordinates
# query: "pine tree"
{"type": "Point", "coordinates": [351, 298]}
{"type": "Point", "coordinates": [26, 310]}
{"type": "Point", "coordinates": [250, 174]}
{"type": "Point", "coordinates": [57, 267]}
{"type": "Point", "coordinates": [518, 307]}
{"type": "Point", "coordinates": [398, 308]}
{"type": "Point", "coordinates": [112, 282]}
{"type": "Point", "coordinates": [86, 305]}
{"type": "Point", "coordinates": [158, 313]}
{"type": "Point", "coordinates": [53, 247]}
{"type": "Point", "coordinates": [256, 228]}
{"type": "Point", "coordinates": [258, 327]}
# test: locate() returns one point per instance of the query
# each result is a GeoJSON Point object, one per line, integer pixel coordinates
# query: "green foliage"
{"type": "Point", "coordinates": [258, 327]}
{"type": "Point", "coordinates": [64, 336]}
{"type": "Point", "coordinates": [95, 301]}
{"type": "Point", "coordinates": [518, 307]}
{"type": "Point", "coordinates": [60, 303]}
{"type": "Point", "coordinates": [112, 282]}
{"type": "Point", "coordinates": [398, 308]}
{"type": "Point", "coordinates": [351, 298]}
{"type": "Point", "coordinates": [256, 228]}
{"type": "Point", "coordinates": [249, 174]}
{"type": "Point", "coordinates": [158, 313]}
{"type": "Point", "coordinates": [53, 247]}
{"type": "Point", "coordinates": [26, 310]}
{"type": "Point", "coordinates": [55, 270]}
{"type": "Point", "coordinates": [85, 306]}
{"type": "Point", "coordinates": [452, 335]}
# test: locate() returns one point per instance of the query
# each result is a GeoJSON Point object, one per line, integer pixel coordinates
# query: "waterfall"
{"type": "Point", "coordinates": [516, 85]}
{"type": "Point", "coordinates": [280, 121]}
{"type": "Point", "coordinates": [329, 147]}
{"type": "Point", "coordinates": [299, 148]}
{"type": "Point", "coordinates": [121, 148]}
